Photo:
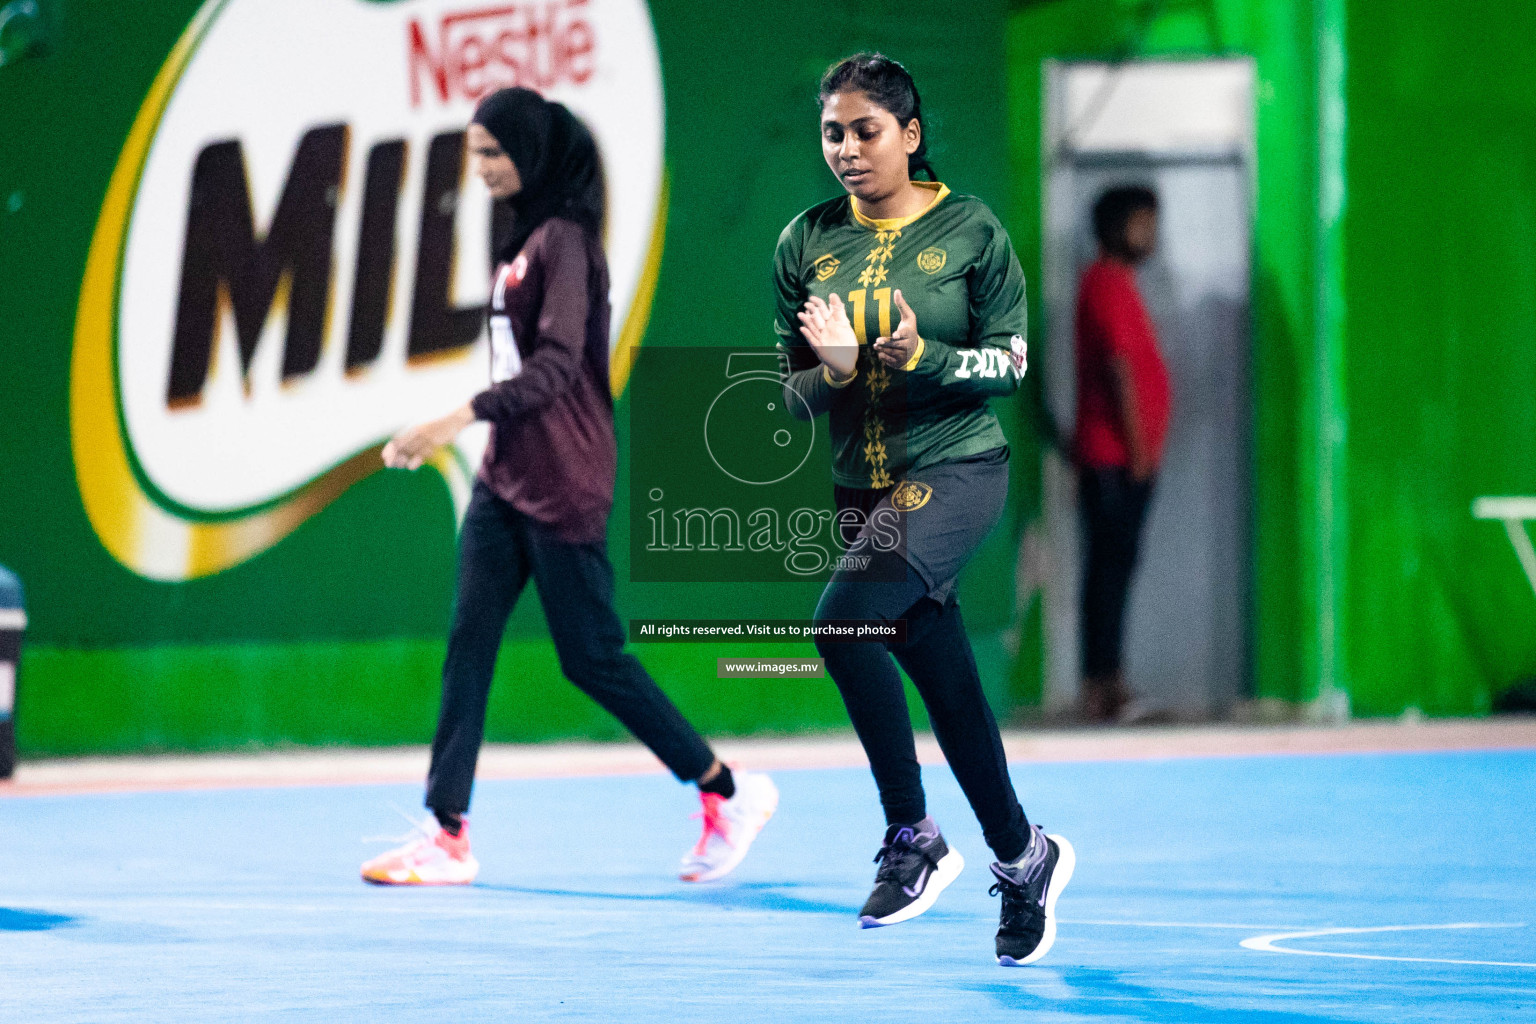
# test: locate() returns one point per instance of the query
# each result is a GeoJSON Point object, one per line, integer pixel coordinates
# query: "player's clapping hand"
{"type": "Point", "coordinates": [825, 325]}
{"type": "Point", "coordinates": [897, 350]}
{"type": "Point", "coordinates": [415, 445]}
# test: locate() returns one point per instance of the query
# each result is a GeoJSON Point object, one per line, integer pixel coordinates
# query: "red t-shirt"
{"type": "Point", "coordinates": [1112, 321]}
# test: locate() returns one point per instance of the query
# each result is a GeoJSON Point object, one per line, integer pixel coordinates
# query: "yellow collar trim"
{"type": "Point", "coordinates": [897, 223]}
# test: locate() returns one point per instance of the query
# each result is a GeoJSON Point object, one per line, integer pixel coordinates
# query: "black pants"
{"type": "Point", "coordinates": [499, 548]}
{"type": "Point", "coordinates": [937, 656]}
{"type": "Point", "coordinates": [1114, 507]}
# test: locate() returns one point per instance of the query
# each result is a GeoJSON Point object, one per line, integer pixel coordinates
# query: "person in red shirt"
{"type": "Point", "coordinates": [1123, 403]}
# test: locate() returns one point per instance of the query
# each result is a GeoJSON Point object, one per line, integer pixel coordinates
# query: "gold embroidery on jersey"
{"type": "Point", "coordinates": [885, 246]}
{"type": "Point", "coordinates": [878, 379]}
{"type": "Point", "coordinates": [826, 266]}
{"type": "Point", "coordinates": [874, 450]}
{"type": "Point", "coordinates": [931, 260]}
{"type": "Point", "coordinates": [872, 275]}
{"type": "Point", "coordinates": [910, 496]}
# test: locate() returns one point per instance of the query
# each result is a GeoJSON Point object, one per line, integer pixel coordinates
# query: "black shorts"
{"type": "Point", "coordinates": [936, 518]}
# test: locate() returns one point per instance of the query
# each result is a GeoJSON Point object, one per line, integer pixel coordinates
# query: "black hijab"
{"type": "Point", "coordinates": [556, 158]}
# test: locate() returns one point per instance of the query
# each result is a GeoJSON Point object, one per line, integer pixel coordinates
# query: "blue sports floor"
{"type": "Point", "coordinates": [241, 905]}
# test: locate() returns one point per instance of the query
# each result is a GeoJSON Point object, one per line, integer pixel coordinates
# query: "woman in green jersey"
{"type": "Point", "coordinates": [901, 311]}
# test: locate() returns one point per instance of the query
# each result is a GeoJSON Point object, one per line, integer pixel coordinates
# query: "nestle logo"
{"type": "Point", "coordinates": [537, 45]}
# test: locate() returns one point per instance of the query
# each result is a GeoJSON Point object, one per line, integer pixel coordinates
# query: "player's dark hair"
{"type": "Point", "coordinates": [1113, 211]}
{"type": "Point", "coordinates": [890, 85]}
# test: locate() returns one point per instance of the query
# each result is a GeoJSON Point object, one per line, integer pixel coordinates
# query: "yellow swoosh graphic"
{"type": "Point", "coordinates": [147, 538]}
{"type": "Point", "coordinates": [622, 359]}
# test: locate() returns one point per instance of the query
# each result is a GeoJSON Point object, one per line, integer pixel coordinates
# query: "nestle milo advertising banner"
{"type": "Point", "coordinates": [282, 275]}
{"type": "Point", "coordinates": [243, 247]}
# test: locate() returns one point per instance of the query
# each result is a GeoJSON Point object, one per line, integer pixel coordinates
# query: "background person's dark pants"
{"type": "Point", "coordinates": [499, 548]}
{"type": "Point", "coordinates": [937, 656]}
{"type": "Point", "coordinates": [1114, 507]}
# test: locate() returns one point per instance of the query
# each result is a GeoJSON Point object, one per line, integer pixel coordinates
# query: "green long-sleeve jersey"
{"type": "Point", "coordinates": [958, 272]}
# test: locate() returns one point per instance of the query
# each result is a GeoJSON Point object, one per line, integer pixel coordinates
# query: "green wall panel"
{"type": "Point", "coordinates": [1277, 34]}
{"type": "Point", "coordinates": [1428, 405]}
{"type": "Point", "coordinates": [1441, 273]}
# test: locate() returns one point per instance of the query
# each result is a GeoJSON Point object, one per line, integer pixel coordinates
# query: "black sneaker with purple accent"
{"type": "Point", "coordinates": [915, 866]}
{"type": "Point", "coordinates": [1029, 888]}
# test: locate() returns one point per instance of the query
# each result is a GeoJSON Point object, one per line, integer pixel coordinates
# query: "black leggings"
{"type": "Point", "coordinates": [499, 549]}
{"type": "Point", "coordinates": [937, 656]}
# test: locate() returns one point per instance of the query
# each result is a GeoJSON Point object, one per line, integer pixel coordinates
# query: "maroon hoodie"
{"type": "Point", "coordinates": [552, 454]}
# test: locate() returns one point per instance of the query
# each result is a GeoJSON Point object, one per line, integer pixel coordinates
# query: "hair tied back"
{"type": "Point", "coordinates": [891, 86]}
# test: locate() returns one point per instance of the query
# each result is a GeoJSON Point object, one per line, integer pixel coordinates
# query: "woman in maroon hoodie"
{"type": "Point", "coordinates": [541, 502]}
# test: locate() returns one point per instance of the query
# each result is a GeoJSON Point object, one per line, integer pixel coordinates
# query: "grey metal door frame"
{"type": "Point", "coordinates": [1192, 669]}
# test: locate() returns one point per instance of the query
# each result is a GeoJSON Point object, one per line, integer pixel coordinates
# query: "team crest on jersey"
{"type": "Point", "coordinates": [931, 260]}
{"type": "Point", "coordinates": [826, 266]}
{"type": "Point", "coordinates": [1018, 354]}
{"type": "Point", "coordinates": [910, 495]}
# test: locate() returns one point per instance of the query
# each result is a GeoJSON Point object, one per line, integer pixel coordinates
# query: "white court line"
{"type": "Point", "coordinates": [1266, 943]}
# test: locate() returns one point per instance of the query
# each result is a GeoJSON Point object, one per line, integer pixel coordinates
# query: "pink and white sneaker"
{"type": "Point", "coordinates": [729, 827]}
{"type": "Point", "coordinates": [434, 858]}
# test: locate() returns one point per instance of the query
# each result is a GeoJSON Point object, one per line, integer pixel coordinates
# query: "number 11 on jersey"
{"type": "Point", "coordinates": [856, 299]}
